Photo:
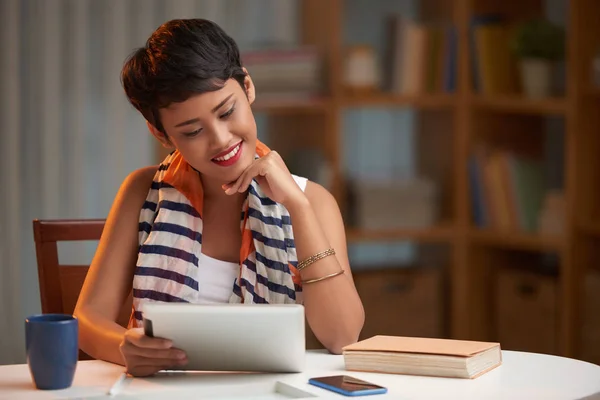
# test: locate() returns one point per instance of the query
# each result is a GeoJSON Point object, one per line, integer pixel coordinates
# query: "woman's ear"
{"type": "Point", "coordinates": [160, 136]}
{"type": "Point", "coordinates": [249, 87]}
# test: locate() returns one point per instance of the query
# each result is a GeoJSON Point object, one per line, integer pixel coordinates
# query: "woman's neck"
{"type": "Point", "coordinates": [213, 190]}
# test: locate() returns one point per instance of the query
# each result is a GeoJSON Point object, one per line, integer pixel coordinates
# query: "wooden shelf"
{"type": "Point", "coordinates": [440, 233]}
{"type": "Point", "coordinates": [515, 240]}
{"type": "Point", "coordinates": [292, 106]}
{"type": "Point", "coordinates": [590, 228]}
{"type": "Point", "coordinates": [594, 92]}
{"type": "Point", "coordinates": [425, 101]}
{"type": "Point", "coordinates": [470, 117]}
{"type": "Point", "coordinates": [520, 105]}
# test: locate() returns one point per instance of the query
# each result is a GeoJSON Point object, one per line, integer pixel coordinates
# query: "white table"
{"type": "Point", "coordinates": [521, 376]}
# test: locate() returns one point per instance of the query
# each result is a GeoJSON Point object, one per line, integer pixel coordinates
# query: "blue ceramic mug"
{"type": "Point", "coordinates": [52, 347]}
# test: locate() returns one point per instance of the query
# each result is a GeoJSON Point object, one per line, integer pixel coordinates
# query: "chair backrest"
{"type": "Point", "coordinates": [60, 284]}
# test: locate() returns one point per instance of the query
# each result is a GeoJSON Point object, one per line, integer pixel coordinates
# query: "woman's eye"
{"type": "Point", "coordinates": [192, 134]}
{"type": "Point", "coordinates": [228, 113]}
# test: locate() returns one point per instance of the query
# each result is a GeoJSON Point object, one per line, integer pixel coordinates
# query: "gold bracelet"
{"type": "Point", "coordinates": [312, 259]}
{"type": "Point", "coordinates": [323, 277]}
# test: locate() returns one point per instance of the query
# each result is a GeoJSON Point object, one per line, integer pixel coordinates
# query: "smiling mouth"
{"type": "Point", "coordinates": [229, 156]}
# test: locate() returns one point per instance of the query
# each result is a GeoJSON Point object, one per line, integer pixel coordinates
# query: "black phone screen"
{"type": "Point", "coordinates": [347, 383]}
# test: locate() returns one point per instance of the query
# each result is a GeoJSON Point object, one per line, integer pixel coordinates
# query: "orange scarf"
{"type": "Point", "coordinates": [185, 179]}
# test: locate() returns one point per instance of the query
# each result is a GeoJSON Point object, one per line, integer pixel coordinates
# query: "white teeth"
{"type": "Point", "coordinates": [229, 155]}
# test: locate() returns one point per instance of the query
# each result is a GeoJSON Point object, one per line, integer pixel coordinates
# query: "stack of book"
{"type": "Point", "coordinates": [423, 356]}
{"type": "Point", "coordinates": [285, 73]}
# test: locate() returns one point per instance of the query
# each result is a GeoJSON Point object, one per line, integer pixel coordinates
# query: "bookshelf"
{"type": "Point", "coordinates": [291, 106]}
{"type": "Point", "coordinates": [519, 105]}
{"type": "Point", "coordinates": [591, 229]}
{"type": "Point", "coordinates": [594, 92]}
{"type": "Point", "coordinates": [515, 240]}
{"type": "Point", "coordinates": [441, 233]}
{"type": "Point", "coordinates": [439, 101]}
{"type": "Point", "coordinates": [447, 129]}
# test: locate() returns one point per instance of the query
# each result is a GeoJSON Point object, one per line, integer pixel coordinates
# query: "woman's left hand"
{"type": "Point", "coordinates": [274, 178]}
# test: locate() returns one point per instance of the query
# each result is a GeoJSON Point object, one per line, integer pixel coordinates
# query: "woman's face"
{"type": "Point", "coordinates": [215, 132]}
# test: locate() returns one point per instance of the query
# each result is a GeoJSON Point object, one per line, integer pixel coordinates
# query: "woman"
{"type": "Point", "coordinates": [220, 220]}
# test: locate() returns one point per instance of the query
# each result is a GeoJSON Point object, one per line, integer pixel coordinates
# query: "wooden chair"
{"type": "Point", "coordinates": [60, 285]}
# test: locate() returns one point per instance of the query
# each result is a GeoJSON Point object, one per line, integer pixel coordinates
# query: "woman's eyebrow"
{"type": "Point", "coordinates": [221, 103]}
{"type": "Point", "coordinates": [188, 122]}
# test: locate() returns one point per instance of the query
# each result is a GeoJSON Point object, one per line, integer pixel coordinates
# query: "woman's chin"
{"type": "Point", "coordinates": [232, 175]}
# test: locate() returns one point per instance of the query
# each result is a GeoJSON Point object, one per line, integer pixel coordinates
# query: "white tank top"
{"type": "Point", "coordinates": [216, 277]}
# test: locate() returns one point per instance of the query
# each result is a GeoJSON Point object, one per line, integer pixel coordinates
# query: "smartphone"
{"type": "Point", "coordinates": [347, 385]}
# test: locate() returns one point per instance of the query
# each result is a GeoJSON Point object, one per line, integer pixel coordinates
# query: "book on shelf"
{"type": "Point", "coordinates": [552, 215]}
{"type": "Point", "coordinates": [494, 67]}
{"type": "Point", "coordinates": [420, 57]}
{"type": "Point", "coordinates": [422, 356]}
{"type": "Point", "coordinates": [507, 189]}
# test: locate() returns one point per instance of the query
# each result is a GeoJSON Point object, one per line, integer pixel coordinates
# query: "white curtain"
{"type": "Point", "coordinates": [68, 135]}
{"type": "Point", "coordinates": [10, 196]}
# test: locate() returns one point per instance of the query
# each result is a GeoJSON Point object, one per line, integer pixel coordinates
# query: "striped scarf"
{"type": "Point", "coordinates": [170, 238]}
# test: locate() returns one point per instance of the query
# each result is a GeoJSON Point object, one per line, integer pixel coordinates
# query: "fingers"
{"type": "Point", "coordinates": [243, 181]}
{"type": "Point", "coordinates": [166, 354]}
{"type": "Point", "coordinates": [258, 168]}
{"type": "Point", "coordinates": [247, 179]}
{"type": "Point", "coordinates": [139, 339]}
{"type": "Point", "coordinates": [139, 345]}
{"type": "Point", "coordinates": [147, 355]}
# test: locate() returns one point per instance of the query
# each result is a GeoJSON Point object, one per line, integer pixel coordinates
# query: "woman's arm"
{"type": "Point", "coordinates": [333, 308]}
{"type": "Point", "coordinates": [109, 280]}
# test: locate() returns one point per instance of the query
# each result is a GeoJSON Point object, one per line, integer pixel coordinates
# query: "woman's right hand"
{"type": "Point", "coordinates": [145, 355]}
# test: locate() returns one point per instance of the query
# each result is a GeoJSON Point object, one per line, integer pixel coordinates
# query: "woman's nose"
{"type": "Point", "coordinates": [221, 137]}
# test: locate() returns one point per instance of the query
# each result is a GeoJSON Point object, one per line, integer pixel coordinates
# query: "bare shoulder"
{"type": "Point", "coordinates": [120, 233]}
{"type": "Point", "coordinates": [128, 202]}
{"type": "Point", "coordinates": [320, 197]}
{"type": "Point", "coordinates": [143, 175]}
{"type": "Point", "coordinates": [134, 189]}
{"type": "Point", "coordinates": [138, 182]}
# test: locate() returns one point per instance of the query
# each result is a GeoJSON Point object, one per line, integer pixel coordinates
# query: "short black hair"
{"type": "Point", "coordinates": [181, 58]}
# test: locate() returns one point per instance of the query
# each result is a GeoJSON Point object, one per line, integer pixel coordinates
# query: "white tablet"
{"type": "Point", "coordinates": [232, 337]}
